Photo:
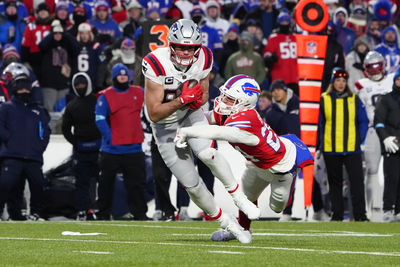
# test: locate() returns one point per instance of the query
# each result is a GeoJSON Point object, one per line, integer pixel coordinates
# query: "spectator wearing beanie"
{"type": "Point", "coordinates": [12, 30]}
{"type": "Point", "coordinates": [89, 51]}
{"type": "Point", "coordinates": [283, 116]}
{"type": "Point", "coordinates": [107, 29]}
{"type": "Point", "coordinates": [62, 14]}
{"type": "Point", "coordinates": [34, 33]}
{"type": "Point", "coordinates": [231, 45]}
{"type": "Point", "coordinates": [22, 11]}
{"type": "Point", "coordinates": [10, 54]}
{"type": "Point", "coordinates": [58, 50]}
{"type": "Point", "coordinates": [266, 15]}
{"type": "Point", "coordinates": [121, 147]}
{"type": "Point", "coordinates": [213, 18]}
{"type": "Point", "coordinates": [153, 11]}
{"type": "Point", "coordinates": [128, 56]}
{"type": "Point", "coordinates": [79, 16]}
{"type": "Point", "coordinates": [72, 5]}
{"type": "Point", "coordinates": [135, 17]}
{"type": "Point", "coordinates": [345, 35]}
{"type": "Point", "coordinates": [282, 63]}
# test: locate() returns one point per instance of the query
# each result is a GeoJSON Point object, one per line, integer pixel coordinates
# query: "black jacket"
{"type": "Point", "coordinates": [387, 116]}
{"type": "Point", "coordinates": [24, 130]}
{"type": "Point", "coordinates": [79, 114]}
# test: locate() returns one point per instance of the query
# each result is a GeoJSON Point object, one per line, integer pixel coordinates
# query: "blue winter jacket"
{"type": "Point", "coordinates": [24, 130]}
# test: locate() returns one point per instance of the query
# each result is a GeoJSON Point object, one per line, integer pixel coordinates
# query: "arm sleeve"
{"type": "Point", "coordinates": [66, 127]}
{"type": "Point", "coordinates": [102, 111]}
{"type": "Point", "coordinates": [4, 133]}
{"type": "Point", "coordinates": [379, 118]}
{"type": "Point", "coordinates": [224, 133]}
{"type": "Point", "coordinates": [362, 120]}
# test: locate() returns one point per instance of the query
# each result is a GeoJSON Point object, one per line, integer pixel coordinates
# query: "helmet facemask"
{"type": "Point", "coordinates": [186, 34]}
{"type": "Point", "coordinates": [375, 71]}
{"type": "Point", "coordinates": [239, 93]}
{"type": "Point", "coordinates": [182, 61]}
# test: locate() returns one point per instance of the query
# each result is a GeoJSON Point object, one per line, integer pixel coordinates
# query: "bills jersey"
{"type": "Point", "coordinates": [369, 91]}
{"type": "Point", "coordinates": [284, 46]}
{"type": "Point", "coordinates": [33, 35]}
{"type": "Point", "coordinates": [158, 67]}
{"type": "Point", "coordinates": [269, 151]}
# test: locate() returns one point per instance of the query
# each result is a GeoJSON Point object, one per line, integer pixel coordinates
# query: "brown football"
{"type": "Point", "coordinates": [192, 83]}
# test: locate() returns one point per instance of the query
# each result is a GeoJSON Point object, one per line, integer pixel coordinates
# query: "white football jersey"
{"type": "Point", "coordinates": [369, 91]}
{"type": "Point", "coordinates": [158, 67]}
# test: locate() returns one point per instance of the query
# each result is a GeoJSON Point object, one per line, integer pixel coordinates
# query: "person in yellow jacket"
{"type": "Point", "coordinates": [343, 125]}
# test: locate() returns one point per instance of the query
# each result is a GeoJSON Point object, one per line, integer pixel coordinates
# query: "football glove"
{"type": "Point", "coordinates": [390, 144]}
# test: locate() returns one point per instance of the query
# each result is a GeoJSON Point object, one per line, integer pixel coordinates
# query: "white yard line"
{"type": "Point", "coordinates": [225, 252]}
{"type": "Point", "coordinates": [95, 252]}
{"type": "Point", "coordinates": [306, 235]}
{"type": "Point", "coordinates": [392, 254]}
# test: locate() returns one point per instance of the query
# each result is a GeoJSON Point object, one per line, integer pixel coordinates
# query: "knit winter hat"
{"type": "Point", "coordinates": [10, 51]}
{"type": "Point", "coordinates": [43, 6]}
{"type": "Point", "coordinates": [62, 5]}
{"type": "Point", "coordinates": [119, 69]}
{"type": "Point", "coordinates": [337, 73]}
{"type": "Point", "coordinates": [284, 16]}
{"type": "Point", "coordinates": [278, 84]}
{"type": "Point", "coordinates": [383, 10]}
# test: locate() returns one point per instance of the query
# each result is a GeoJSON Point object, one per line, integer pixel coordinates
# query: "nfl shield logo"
{"type": "Point", "coordinates": [311, 47]}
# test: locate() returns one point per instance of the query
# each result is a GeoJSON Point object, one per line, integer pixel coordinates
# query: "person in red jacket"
{"type": "Point", "coordinates": [117, 112]}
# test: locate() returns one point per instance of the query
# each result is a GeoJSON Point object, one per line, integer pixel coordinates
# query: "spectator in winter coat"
{"type": "Point", "coordinates": [33, 35]}
{"type": "Point", "coordinates": [24, 135]}
{"type": "Point", "coordinates": [13, 28]}
{"type": "Point", "coordinates": [246, 61]}
{"type": "Point", "coordinates": [118, 119]}
{"type": "Point", "coordinates": [355, 62]}
{"type": "Point", "coordinates": [389, 49]}
{"type": "Point", "coordinates": [59, 50]}
{"type": "Point", "coordinates": [345, 35]}
{"type": "Point", "coordinates": [107, 28]}
{"type": "Point", "coordinates": [283, 116]}
{"type": "Point", "coordinates": [85, 139]}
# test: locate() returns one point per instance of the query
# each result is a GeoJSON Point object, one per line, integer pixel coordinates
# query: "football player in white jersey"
{"type": "Point", "coordinates": [171, 106]}
{"type": "Point", "coordinates": [369, 89]}
{"type": "Point", "coordinates": [271, 159]}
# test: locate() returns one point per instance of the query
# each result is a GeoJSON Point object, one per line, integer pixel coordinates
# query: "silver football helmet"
{"type": "Point", "coordinates": [13, 70]}
{"type": "Point", "coordinates": [238, 94]}
{"type": "Point", "coordinates": [184, 32]}
{"type": "Point", "coordinates": [374, 66]}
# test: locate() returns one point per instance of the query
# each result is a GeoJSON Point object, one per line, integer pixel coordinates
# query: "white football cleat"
{"type": "Point", "coordinates": [230, 225]}
{"type": "Point", "coordinates": [222, 235]}
{"type": "Point", "coordinates": [245, 205]}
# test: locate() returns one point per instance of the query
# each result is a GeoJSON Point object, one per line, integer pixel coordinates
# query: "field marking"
{"type": "Point", "coordinates": [94, 252]}
{"type": "Point", "coordinates": [225, 252]}
{"type": "Point", "coordinates": [306, 235]}
{"type": "Point", "coordinates": [393, 254]}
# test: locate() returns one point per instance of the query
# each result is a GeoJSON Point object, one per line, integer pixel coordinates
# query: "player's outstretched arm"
{"type": "Point", "coordinates": [215, 132]}
{"type": "Point", "coordinates": [154, 94]}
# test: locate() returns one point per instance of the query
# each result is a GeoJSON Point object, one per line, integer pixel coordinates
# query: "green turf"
{"type": "Point", "coordinates": [188, 244]}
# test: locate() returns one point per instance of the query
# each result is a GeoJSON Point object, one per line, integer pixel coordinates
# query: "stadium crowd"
{"type": "Point", "coordinates": [62, 57]}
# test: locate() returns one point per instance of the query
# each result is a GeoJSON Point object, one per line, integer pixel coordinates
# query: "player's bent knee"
{"type": "Point", "coordinates": [207, 155]}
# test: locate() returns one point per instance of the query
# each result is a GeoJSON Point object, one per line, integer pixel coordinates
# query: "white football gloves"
{"type": "Point", "coordinates": [180, 139]}
{"type": "Point", "coordinates": [390, 144]}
